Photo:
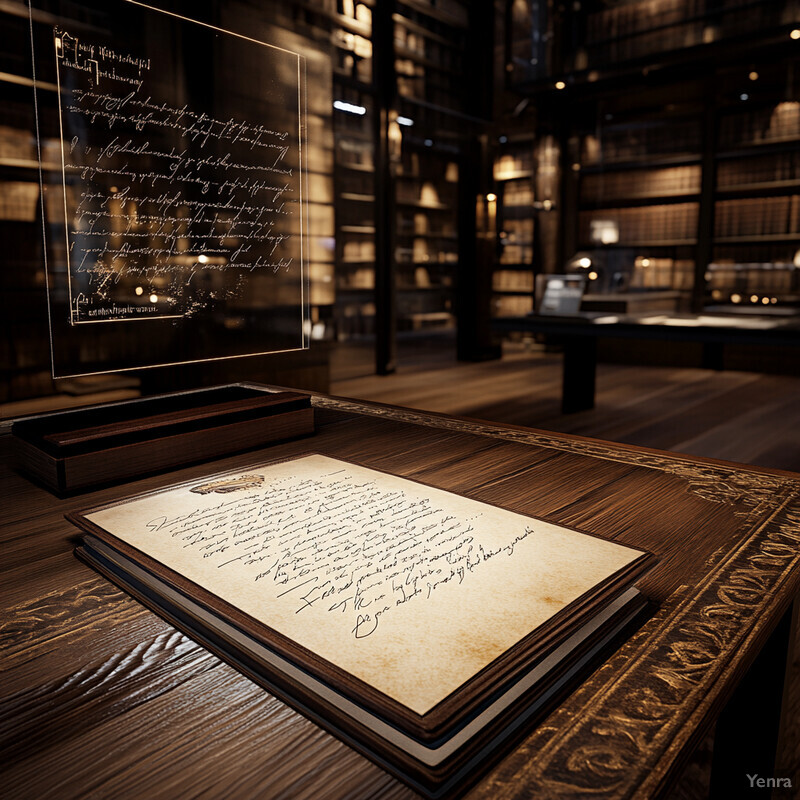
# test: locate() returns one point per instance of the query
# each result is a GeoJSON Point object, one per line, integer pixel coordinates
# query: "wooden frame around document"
{"type": "Point", "coordinates": [450, 714]}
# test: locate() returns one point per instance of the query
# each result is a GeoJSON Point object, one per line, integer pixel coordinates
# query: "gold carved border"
{"type": "Point", "coordinates": [750, 492]}
{"type": "Point", "coordinates": [619, 734]}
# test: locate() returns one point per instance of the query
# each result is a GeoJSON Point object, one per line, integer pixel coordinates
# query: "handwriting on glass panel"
{"type": "Point", "coordinates": [166, 195]}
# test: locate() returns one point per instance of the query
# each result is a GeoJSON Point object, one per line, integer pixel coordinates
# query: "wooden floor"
{"type": "Point", "coordinates": [737, 416]}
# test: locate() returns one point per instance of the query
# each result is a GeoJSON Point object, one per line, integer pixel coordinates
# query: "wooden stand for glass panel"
{"type": "Point", "coordinates": [74, 450]}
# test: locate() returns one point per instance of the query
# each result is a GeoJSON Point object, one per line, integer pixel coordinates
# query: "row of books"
{"type": "Point", "coordinates": [407, 41]}
{"type": "Point", "coordinates": [658, 223]}
{"type": "Point", "coordinates": [761, 126]}
{"type": "Point", "coordinates": [516, 241]}
{"type": "Point", "coordinates": [511, 305]}
{"type": "Point", "coordinates": [356, 250]}
{"type": "Point", "coordinates": [516, 230]}
{"type": "Point", "coordinates": [662, 273]}
{"type": "Point", "coordinates": [763, 216]}
{"type": "Point", "coordinates": [359, 45]}
{"type": "Point", "coordinates": [360, 12]}
{"type": "Point", "coordinates": [688, 34]}
{"type": "Point", "coordinates": [354, 67]}
{"type": "Point", "coordinates": [759, 169]}
{"type": "Point", "coordinates": [766, 252]}
{"type": "Point", "coordinates": [641, 184]}
{"type": "Point", "coordinates": [443, 93]}
{"type": "Point", "coordinates": [518, 193]}
{"type": "Point", "coordinates": [16, 144]}
{"type": "Point", "coordinates": [19, 200]}
{"type": "Point", "coordinates": [516, 254]}
{"type": "Point", "coordinates": [423, 277]}
{"type": "Point", "coordinates": [425, 194]}
{"type": "Point", "coordinates": [424, 253]}
{"type": "Point", "coordinates": [630, 143]}
{"type": "Point", "coordinates": [361, 278]}
{"type": "Point", "coordinates": [414, 166]}
{"type": "Point", "coordinates": [631, 18]}
{"type": "Point", "coordinates": [455, 12]}
{"type": "Point", "coordinates": [773, 279]}
{"type": "Point", "coordinates": [322, 291]}
{"type": "Point", "coordinates": [509, 166]}
{"type": "Point", "coordinates": [512, 280]}
{"type": "Point", "coordinates": [419, 224]}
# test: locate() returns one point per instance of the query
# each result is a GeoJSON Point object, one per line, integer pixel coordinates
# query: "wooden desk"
{"type": "Point", "coordinates": [578, 334]}
{"type": "Point", "coordinates": [103, 699]}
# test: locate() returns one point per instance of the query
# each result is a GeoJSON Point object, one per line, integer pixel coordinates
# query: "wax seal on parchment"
{"type": "Point", "coordinates": [226, 485]}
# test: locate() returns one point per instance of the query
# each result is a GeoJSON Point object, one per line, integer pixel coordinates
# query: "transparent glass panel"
{"type": "Point", "coordinates": [173, 187]}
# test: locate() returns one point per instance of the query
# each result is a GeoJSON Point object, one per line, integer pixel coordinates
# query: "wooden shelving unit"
{"type": "Point", "coordinates": [676, 124]}
{"type": "Point", "coordinates": [426, 241]}
{"type": "Point", "coordinates": [399, 130]}
{"type": "Point", "coordinates": [516, 209]}
{"type": "Point", "coordinates": [24, 348]}
{"type": "Point", "coordinates": [756, 253]}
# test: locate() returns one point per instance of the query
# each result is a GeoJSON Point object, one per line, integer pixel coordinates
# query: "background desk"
{"type": "Point", "coordinates": [103, 699]}
{"type": "Point", "coordinates": [578, 334]}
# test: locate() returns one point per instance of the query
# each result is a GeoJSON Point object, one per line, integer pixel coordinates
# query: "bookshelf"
{"type": "Point", "coordinates": [523, 180]}
{"type": "Point", "coordinates": [427, 241]}
{"type": "Point", "coordinates": [756, 253]}
{"type": "Point", "coordinates": [626, 32]}
{"type": "Point", "coordinates": [24, 348]}
{"type": "Point", "coordinates": [397, 168]}
{"type": "Point", "coordinates": [638, 183]}
{"type": "Point", "coordinates": [676, 125]}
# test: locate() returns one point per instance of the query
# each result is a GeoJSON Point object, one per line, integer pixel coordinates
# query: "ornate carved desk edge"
{"type": "Point", "coordinates": [749, 491]}
{"type": "Point", "coordinates": [619, 735]}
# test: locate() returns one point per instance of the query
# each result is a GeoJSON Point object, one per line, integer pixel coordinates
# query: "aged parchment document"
{"type": "Point", "coordinates": [409, 588]}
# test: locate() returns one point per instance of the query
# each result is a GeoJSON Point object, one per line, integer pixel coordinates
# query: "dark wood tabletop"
{"type": "Point", "coordinates": [103, 699]}
{"type": "Point", "coordinates": [578, 335]}
{"type": "Point", "coordinates": [713, 328]}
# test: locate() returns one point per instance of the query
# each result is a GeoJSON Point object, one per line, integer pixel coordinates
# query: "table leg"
{"type": "Point", "coordinates": [580, 367]}
{"type": "Point", "coordinates": [748, 728]}
{"type": "Point", "coordinates": [714, 356]}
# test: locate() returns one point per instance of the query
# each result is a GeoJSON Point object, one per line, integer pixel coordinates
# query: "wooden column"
{"type": "Point", "coordinates": [385, 208]}
{"type": "Point", "coordinates": [704, 250]}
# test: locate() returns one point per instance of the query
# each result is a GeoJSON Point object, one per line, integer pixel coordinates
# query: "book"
{"type": "Point", "coordinates": [426, 629]}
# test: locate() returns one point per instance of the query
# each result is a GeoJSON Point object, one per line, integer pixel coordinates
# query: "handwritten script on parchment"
{"type": "Point", "coordinates": [385, 577]}
{"type": "Point", "coordinates": [173, 207]}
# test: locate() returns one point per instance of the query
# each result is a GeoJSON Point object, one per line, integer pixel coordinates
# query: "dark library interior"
{"type": "Point", "coordinates": [466, 161]}
{"type": "Point", "coordinates": [459, 153]}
